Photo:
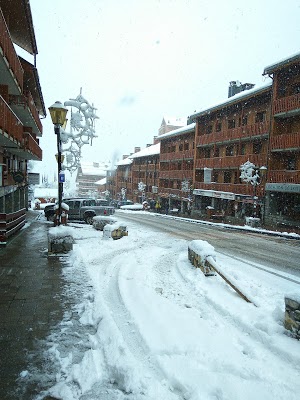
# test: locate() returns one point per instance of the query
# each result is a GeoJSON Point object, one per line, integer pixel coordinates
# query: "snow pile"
{"type": "Point", "coordinates": [157, 328]}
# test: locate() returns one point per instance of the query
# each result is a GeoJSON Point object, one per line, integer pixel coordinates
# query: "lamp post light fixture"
{"type": "Point", "coordinates": [58, 115]}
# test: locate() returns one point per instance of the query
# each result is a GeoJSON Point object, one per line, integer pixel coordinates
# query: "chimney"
{"type": "Point", "coordinates": [124, 156]}
{"type": "Point", "coordinates": [236, 87]}
{"type": "Point", "coordinates": [155, 141]}
{"type": "Point", "coordinates": [137, 149]}
{"type": "Point", "coordinates": [148, 145]}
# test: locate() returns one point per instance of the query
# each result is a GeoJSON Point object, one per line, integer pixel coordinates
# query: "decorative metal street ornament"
{"type": "Point", "coordinates": [185, 187]}
{"type": "Point", "coordinates": [82, 130]}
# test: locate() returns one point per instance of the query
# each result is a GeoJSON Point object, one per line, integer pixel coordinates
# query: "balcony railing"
{"type": "Point", "coordinates": [286, 141]}
{"type": "Point", "coordinates": [286, 104]}
{"type": "Point", "coordinates": [9, 52]}
{"type": "Point", "coordinates": [178, 155]}
{"type": "Point", "coordinates": [247, 131]}
{"type": "Point", "coordinates": [285, 176]}
{"type": "Point", "coordinates": [26, 101]}
{"type": "Point", "coordinates": [176, 174]}
{"type": "Point", "coordinates": [231, 161]}
{"type": "Point", "coordinates": [31, 145]}
{"type": "Point", "coordinates": [9, 122]}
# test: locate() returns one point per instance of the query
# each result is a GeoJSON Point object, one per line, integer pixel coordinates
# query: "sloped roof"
{"type": "Point", "coordinates": [101, 182]}
{"type": "Point", "coordinates": [93, 168]}
{"type": "Point", "coordinates": [279, 64]}
{"type": "Point", "coordinates": [17, 14]}
{"type": "Point", "coordinates": [176, 132]}
{"type": "Point", "coordinates": [148, 151]}
{"type": "Point", "coordinates": [234, 99]}
{"type": "Point", "coordinates": [126, 161]}
{"type": "Point", "coordinates": [174, 121]}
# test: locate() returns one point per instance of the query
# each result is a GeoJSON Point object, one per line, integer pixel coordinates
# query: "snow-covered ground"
{"type": "Point", "coordinates": [151, 326]}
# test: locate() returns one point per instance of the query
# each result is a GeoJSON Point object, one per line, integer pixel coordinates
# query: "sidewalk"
{"type": "Point", "coordinates": [31, 304]}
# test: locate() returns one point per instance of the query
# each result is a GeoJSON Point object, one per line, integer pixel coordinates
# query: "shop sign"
{"type": "Point", "coordinates": [283, 187]}
{"type": "Point", "coordinates": [215, 194]}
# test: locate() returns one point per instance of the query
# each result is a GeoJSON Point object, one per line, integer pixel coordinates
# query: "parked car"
{"type": "Point", "coordinates": [83, 209]}
{"type": "Point", "coordinates": [124, 203]}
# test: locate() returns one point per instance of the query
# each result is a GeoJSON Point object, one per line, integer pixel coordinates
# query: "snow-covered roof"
{"type": "Point", "coordinates": [101, 182]}
{"type": "Point", "coordinates": [45, 192]}
{"type": "Point", "coordinates": [93, 168]}
{"type": "Point", "coordinates": [126, 161]}
{"type": "Point", "coordinates": [271, 68]}
{"type": "Point", "coordinates": [177, 132]}
{"type": "Point", "coordinates": [148, 151]}
{"type": "Point", "coordinates": [174, 121]}
{"type": "Point", "coordinates": [234, 99]}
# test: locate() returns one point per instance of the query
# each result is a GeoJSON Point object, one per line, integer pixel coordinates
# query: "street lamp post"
{"type": "Point", "coordinates": [58, 115]}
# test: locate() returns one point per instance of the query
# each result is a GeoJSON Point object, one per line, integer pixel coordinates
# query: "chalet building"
{"type": "Point", "coordinates": [226, 136]}
{"type": "Point", "coordinates": [282, 204]}
{"type": "Point", "coordinates": [87, 175]}
{"type": "Point", "coordinates": [21, 106]}
{"type": "Point", "coordinates": [177, 150]}
{"type": "Point", "coordinates": [145, 173]}
{"type": "Point", "coordinates": [121, 183]}
{"type": "Point", "coordinates": [170, 123]}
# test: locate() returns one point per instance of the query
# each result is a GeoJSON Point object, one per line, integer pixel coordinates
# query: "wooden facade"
{"type": "Point", "coordinates": [201, 161]}
{"type": "Point", "coordinates": [21, 106]}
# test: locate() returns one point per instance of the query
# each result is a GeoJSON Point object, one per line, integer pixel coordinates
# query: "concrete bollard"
{"type": "Point", "coordinates": [292, 316]}
{"type": "Point", "coordinates": [60, 240]}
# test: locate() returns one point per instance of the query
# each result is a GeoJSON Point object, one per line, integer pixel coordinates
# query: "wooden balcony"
{"type": "Point", "coordinates": [230, 161]}
{"type": "Point", "coordinates": [227, 135]}
{"type": "Point", "coordinates": [31, 145]}
{"type": "Point", "coordinates": [289, 141]}
{"type": "Point", "coordinates": [24, 107]}
{"type": "Point", "coordinates": [176, 174]}
{"type": "Point", "coordinates": [285, 176]}
{"type": "Point", "coordinates": [144, 168]}
{"type": "Point", "coordinates": [9, 52]}
{"type": "Point", "coordinates": [178, 155]}
{"type": "Point", "coordinates": [290, 104]}
{"type": "Point", "coordinates": [10, 124]}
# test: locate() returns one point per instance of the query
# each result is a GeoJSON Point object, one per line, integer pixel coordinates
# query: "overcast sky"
{"type": "Point", "coordinates": [138, 60]}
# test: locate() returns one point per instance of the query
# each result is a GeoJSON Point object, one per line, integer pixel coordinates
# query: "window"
{"type": "Point", "coordinates": [209, 129]}
{"type": "Point", "coordinates": [217, 152]}
{"type": "Point", "coordinates": [296, 88]}
{"type": "Point", "coordinates": [219, 127]}
{"type": "Point", "coordinates": [291, 163]}
{"type": "Point", "coordinates": [180, 147]}
{"type": "Point", "coordinates": [229, 150]}
{"type": "Point", "coordinates": [260, 116]}
{"type": "Point", "coordinates": [242, 149]}
{"type": "Point", "coordinates": [206, 153]}
{"type": "Point", "coordinates": [227, 176]}
{"type": "Point", "coordinates": [257, 147]}
{"type": "Point", "coordinates": [244, 120]}
{"type": "Point", "coordinates": [231, 123]}
{"type": "Point", "coordinates": [186, 146]}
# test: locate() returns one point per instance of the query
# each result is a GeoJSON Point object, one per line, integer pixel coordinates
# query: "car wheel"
{"type": "Point", "coordinates": [89, 219]}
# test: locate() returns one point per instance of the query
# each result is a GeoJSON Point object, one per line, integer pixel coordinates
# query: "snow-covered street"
{"type": "Point", "coordinates": [151, 326]}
